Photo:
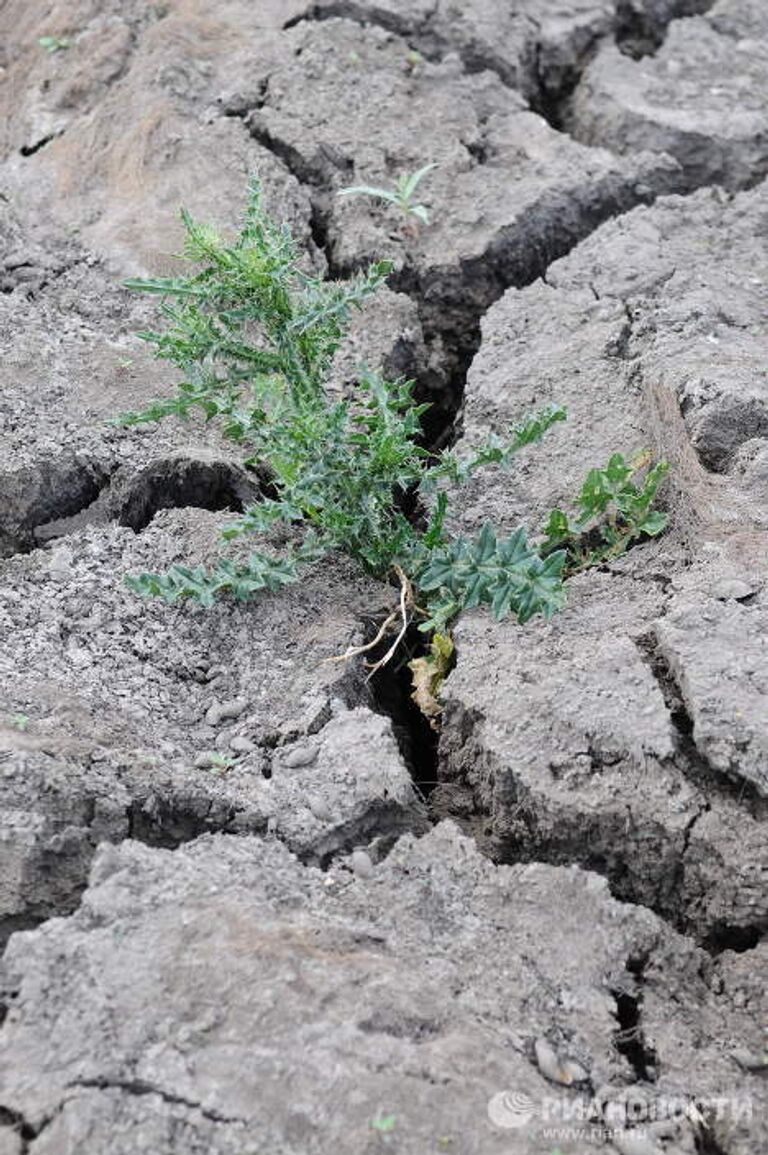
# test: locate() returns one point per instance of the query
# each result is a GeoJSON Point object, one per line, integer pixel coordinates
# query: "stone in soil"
{"type": "Point", "coordinates": [201, 997]}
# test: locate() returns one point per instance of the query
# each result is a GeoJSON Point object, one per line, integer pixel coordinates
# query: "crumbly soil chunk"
{"type": "Point", "coordinates": [190, 989]}
{"type": "Point", "coordinates": [701, 98]}
{"type": "Point", "coordinates": [123, 717]}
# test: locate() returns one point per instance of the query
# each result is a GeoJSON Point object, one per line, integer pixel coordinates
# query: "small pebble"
{"type": "Point", "coordinates": [219, 712]}
{"type": "Point", "coordinates": [241, 744]}
{"type": "Point", "coordinates": [361, 864]}
{"type": "Point", "coordinates": [750, 1060]}
{"type": "Point", "coordinates": [60, 565]}
{"type": "Point", "coordinates": [733, 590]}
{"type": "Point", "coordinates": [300, 756]}
{"type": "Point", "coordinates": [234, 708]}
{"type": "Point", "coordinates": [320, 809]}
{"type": "Point", "coordinates": [566, 1072]}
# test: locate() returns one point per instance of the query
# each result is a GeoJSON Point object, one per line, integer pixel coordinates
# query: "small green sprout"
{"type": "Point", "coordinates": [221, 762]}
{"type": "Point", "coordinates": [53, 44]}
{"type": "Point", "coordinates": [401, 196]}
{"type": "Point", "coordinates": [19, 721]}
{"type": "Point", "coordinates": [384, 1124]}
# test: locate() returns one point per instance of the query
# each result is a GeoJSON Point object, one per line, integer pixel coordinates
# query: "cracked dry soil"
{"type": "Point", "coordinates": [251, 904]}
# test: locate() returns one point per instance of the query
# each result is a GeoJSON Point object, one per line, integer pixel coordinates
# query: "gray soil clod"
{"type": "Point", "coordinates": [180, 721]}
{"type": "Point", "coordinates": [656, 673]}
{"type": "Point", "coordinates": [701, 98]}
{"type": "Point", "coordinates": [514, 194]}
{"type": "Point", "coordinates": [367, 996]}
{"type": "Point", "coordinates": [251, 904]}
{"type": "Point", "coordinates": [537, 48]}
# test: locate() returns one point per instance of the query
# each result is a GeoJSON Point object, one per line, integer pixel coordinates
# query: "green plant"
{"type": "Point", "coordinates": [19, 721]}
{"type": "Point", "coordinates": [53, 44]}
{"type": "Point", "coordinates": [401, 196]}
{"type": "Point", "coordinates": [221, 762]}
{"type": "Point", "coordinates": [384, 1124]}
{"type": "Point", "coordinates": [612, 512]}
{"type": "Point", "coordinates": [254, 337]}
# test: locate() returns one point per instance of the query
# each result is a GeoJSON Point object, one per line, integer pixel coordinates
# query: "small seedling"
{"type": "Point", "coordinates": [254, 337]}
{"type": "Point", "coordinates": [401, 196]}
{"type": "Point", "coordinates": [384, 1124]}
{"type": "Point", "coordinates": [221, 762]}
{"type": "Point", "coordinates": [53, 44]}
{"type": "Point", "coordinates": [19, 721]}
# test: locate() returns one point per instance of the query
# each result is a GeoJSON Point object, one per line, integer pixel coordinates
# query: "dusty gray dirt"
{"type": "Point", "coordinates": [701, 98]}
{"type": "Point", "coordinates": [439, 981]}
{"type": "Point", "coordinates": [179, 721]}
{"type": "Point", "coordinates": [260, 963]}
{"type": "Point", "coordinates": [657, 672]}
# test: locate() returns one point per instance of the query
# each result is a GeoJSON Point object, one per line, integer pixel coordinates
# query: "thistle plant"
{"type": "Point", "coordinates": [402, 196]}
{"type": "Point", "coordinates": [254, 337]}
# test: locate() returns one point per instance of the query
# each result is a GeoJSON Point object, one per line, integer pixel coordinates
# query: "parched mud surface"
{"type": "Point", "coordinates": [251, 958]}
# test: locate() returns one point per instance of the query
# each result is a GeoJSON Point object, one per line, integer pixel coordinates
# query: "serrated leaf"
{"type": "Point", "coordinates": [653, 523]}
{"type": "Point", "coordinates": [170, 286]}
{"type": "Point", "coordinates": [617, 471]}
{"type": "Point", "coordinates": [514, 551]}
{"type": "Point", "coordinates": [485, 548]}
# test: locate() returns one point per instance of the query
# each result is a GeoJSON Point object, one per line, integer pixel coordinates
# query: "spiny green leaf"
{"type": "Point", "coordinates": [170, 286]}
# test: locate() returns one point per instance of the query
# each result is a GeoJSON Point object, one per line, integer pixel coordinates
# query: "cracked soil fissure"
{"type": "Point", "coordinates": [169, 827]}
{"type": "Point", "coordinates": [350, 724]}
